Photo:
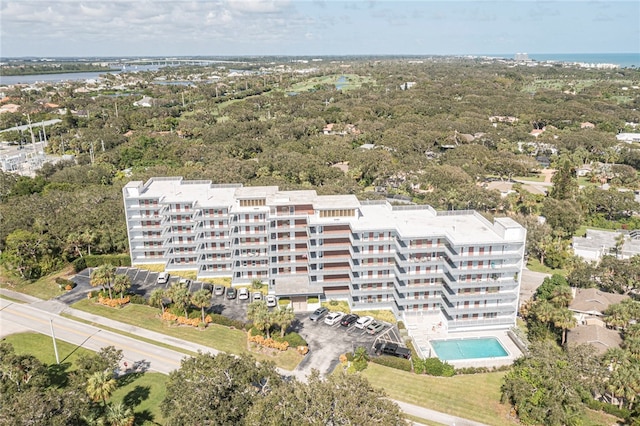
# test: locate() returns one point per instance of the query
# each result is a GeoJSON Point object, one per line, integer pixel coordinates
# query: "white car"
{"type": "Point", "coordinates": [333, 318]}
{"type": "Point", "coordinates": [256, 296]}
{"type": "Point", "coordinates": [243, 293]}
{"type": "Point", "coordinates": [363, 322]}
{"type": "Point", "coordinates": [272, 302]}
{"type": "Point", "coordinates": [163, 277]}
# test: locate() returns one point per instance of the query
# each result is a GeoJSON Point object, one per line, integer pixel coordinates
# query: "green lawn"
{"type": "Point", "coordinates": [215, 336]}
{"type": "Point", "coordinates": [473, 396]}
{"type": "Point", "coordinates": [142, 391]}
{"type": "Point", "coordinates": [45, 288]}
{"type": "Point", "coordinates": [145, 392]}
{"type": "Point", "coordinates": [535, 266]}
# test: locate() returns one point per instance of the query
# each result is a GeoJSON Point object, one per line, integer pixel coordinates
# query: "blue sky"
{"type": "Point", "coordinates": [315, 27]}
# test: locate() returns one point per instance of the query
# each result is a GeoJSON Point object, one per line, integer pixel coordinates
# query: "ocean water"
{"type": "Point", "coordinates": [626, 60]}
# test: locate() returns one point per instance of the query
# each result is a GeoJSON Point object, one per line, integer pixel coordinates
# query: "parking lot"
{"type": "Point", "coordinates": [326, 342]}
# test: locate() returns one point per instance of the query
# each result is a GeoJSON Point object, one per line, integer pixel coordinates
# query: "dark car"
{"type": "Point", "coordinates": [348, 320]}
{"type": "Point", "coordinates": [231, 293]}
{"type": "Point", "coordinates": [318, 313]}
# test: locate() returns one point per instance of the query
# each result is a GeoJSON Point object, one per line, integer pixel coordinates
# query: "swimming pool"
{"type": "Point", "coordinates": [457, 349]}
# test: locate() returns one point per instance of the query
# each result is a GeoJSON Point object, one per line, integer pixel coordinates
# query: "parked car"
{"type": "Point", "coordinates": [163, 277]}
{"type": "Point", "coordinates": [272, 302]}
{"type": "Point", "coordinates": [363, 322]}
{"type": "Point", "coordinates": [393, 349]}
{"type": "Point", "coordinates": [256, 296]}
{"type": "Point", "coordinates": [349, 320]}
{"type": "Point", "coordinates": [218, 290]}
{"type": "Point", "coordinates": [231, 293]}
{"type": "Point", "coordinates": [243, 293]}
{"type": "Point", "coordinates": [375, 327]}
{"type": "Point", "coordinates": [318, 313]}
{"type": "Point", "coordinates": [333, 318]}
{"type": "Point", "coordinates": [186, 282]}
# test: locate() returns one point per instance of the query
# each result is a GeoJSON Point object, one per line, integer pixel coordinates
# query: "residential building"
{"type": "Point", "coordinates": [408, 259]}
{"type": "Point", "coordinates": [598, 243]}
{"type": "Point", "coordinates": [628, 137]}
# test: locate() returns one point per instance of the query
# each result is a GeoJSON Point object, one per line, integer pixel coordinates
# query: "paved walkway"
{"type": "Point", "coordinates": [54, 307]}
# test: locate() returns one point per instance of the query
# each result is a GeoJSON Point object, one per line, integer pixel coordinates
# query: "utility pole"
{"type": "Point", "coordinates": [55, 347]}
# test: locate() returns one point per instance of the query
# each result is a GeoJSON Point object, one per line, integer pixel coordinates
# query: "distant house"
{"type": "Point", "coordinates": [543, 161]}
{"type": "Point", "coordinates": [9, 108]}
{"type": "Point", "coordinates": [628, 137]}
{"type": "Point", "coordinates": [537, 132]}
{"type": "Point", "coordinates": [146, 102]}
{"type": "Point", "coordinates": [503, 119]}
{"type": "Point", "coordinates": [350, 129]}
{"type": "Point", "coordinates": [590, 303]}
{"type": "Point", "coordinates": [584, 170]}
{"type": "Point", "coordinates": [587, 125]}
{"type": "Point", "coordinates": [407, 85]}
{"type": "Point", "coordinates": [600, 338]}
{"type": "Point", "coordinates": [505, 188]}
{"type": "Point", "coordinates": [597, 243]}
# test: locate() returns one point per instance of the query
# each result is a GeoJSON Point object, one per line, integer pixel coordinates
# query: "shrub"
{"type": "Point", "coordinates": [194, 322]}
{"type": "Point", "coordinates": [227, 322]}
{"type": "Point", "coordinates": [65, 284]}
{"type": "Point", "coordinates": [435, 367]}
{"type": "Point", "coordinates": [136, 299]}
{"type": "Point", "coordinates": [114, 303]}
{"type": "Point", "coordinates": [312, 300]}
{"type": "Point", "coordinates": [294, 339]}
{"type": "Point", "coordinates": [401, 325]}
{"type": "Point", "coordinates": [333, 302]}
{"type": "Point", "coordinates": [284, 301]}
{"type": "Point", "coordinates": [393, 362]}
{"type": "Point", "coordinates": [269, 343]}
{"type": "Point", "coordinates": [95, 260]}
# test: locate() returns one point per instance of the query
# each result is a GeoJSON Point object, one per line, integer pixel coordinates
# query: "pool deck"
{"type": "Point", "coordinates": [429, 327]}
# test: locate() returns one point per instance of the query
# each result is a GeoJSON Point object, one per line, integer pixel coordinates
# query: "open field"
{"type": "Point", "coordinates": [474, 396]}
{"type": "Point", "coordinates": [345, 81]}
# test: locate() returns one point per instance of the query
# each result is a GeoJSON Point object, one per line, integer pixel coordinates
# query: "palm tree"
{"type": "Point", "coordinates": [179, 294]}
{"type": "Point", "coordinates": [283, 317]}
{"type": "Point", "coordinates": [259, 314]}
{"type": "Point", "coordinates": [563, 319]}
{"type": "Point", "coordinates": [360, 354]}
{"type": "Point", "coordinates": [121, 284]}
{"type": "Point", "coordinates": [156, 298]}
{"type": "Point", "coordinates": [100, 386]}
{"type": "Point", "coordinates": [543, 311]}
{"type": "Point", "coordinates": [202, 300]}
{"type": "Point", "coordinates": [120, 415]}
{"type": "Point", "coordinates": [561, 296]}
{"type": "Point", "coordinates": [103, 276]}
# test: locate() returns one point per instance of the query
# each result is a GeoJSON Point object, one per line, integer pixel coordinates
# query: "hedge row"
{"type": "Point", "coordinates": [227, 322]}
{"type": "Point", "coordinates": [95, 260]}
{"type": "Point", "coordinates": [65, 284]}
{"type": "Point", "coordinates": [393, 362]}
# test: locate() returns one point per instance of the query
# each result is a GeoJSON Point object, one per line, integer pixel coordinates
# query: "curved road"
{"type": "Point", "coordinates": [39, 316]}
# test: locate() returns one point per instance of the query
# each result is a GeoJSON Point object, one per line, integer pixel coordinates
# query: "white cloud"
{"type": "Point", "coordinates": [258, 6]}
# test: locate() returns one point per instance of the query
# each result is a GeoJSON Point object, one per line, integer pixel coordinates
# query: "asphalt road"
{"type": "Point", "coordinates": [145, 355]}
{"type": "Point", "coordinates": [38, 316]}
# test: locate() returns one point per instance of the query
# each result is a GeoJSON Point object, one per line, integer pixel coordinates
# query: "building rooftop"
{"type": "Point", "coordinates": [599, 337]}
{"type": "Point", "coordinates": [594, 301]}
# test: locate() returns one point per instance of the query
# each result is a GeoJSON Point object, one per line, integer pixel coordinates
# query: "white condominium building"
{"type": "Point", "coordinates": [408, 259]}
